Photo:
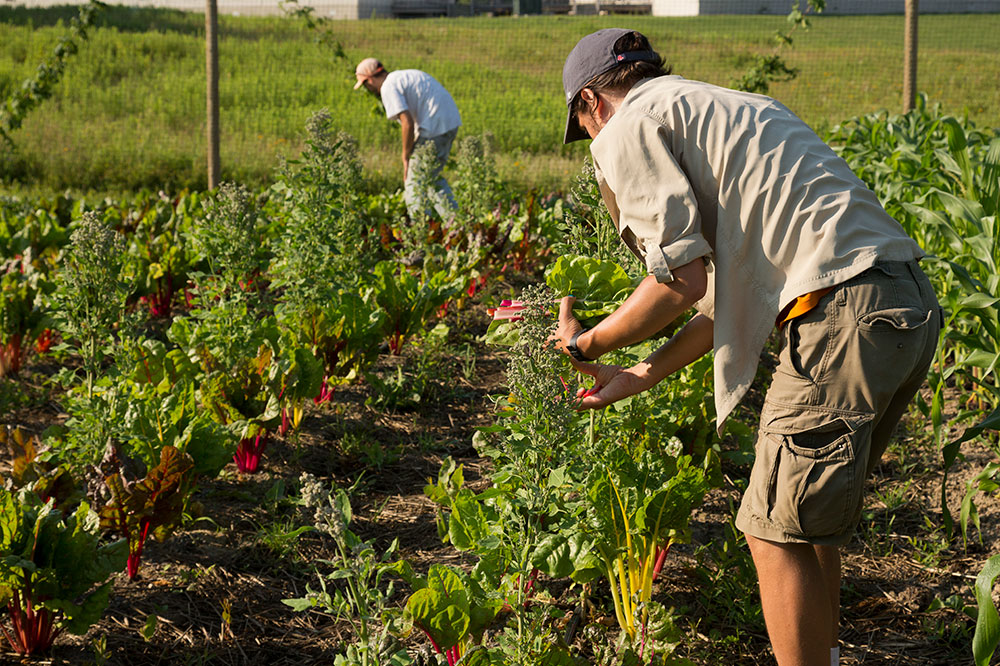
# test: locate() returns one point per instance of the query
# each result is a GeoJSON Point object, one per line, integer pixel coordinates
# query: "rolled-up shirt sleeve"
{"type": "Point", "coordinates": [648, 194]}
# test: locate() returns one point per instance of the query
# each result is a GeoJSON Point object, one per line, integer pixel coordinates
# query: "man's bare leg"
{"type": "Point", "coordinates": [796, 584]}
{"type": "Point", "coordinates": [829, 562]}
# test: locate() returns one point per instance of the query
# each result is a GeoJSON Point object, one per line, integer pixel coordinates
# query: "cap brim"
{"type": "Point", "coordinates": [360, 83]}
{"type": "Point", "coordinates": [573, 130]}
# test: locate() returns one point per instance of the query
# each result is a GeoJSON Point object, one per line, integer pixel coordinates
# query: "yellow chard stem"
{"type": "Point", "coordinates": [626, 599]}
{"type": "Point", "coordinates": [619, 614]}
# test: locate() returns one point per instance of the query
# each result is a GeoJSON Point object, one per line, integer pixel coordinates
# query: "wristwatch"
{"type": "Point", "coordinates": [573, 350]}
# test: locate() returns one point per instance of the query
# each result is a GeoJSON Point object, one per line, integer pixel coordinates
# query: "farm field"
{"type": "Point", "coordinates": [286, 422]}
{"type": "Point", "coordinates": [129, 111]}
{"type": "Point", "coordinates": [283, 422]}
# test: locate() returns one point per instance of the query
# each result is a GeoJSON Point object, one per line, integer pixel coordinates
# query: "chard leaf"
{"type": "Point", "coordinates": [564, 555]}
{"type": "Point", "coordinates": [449, 584]}
{"type": "Point", "coordinates": [448, 626]}
{"type": "Point", "coordinates": [589, 279]}
{"type": "Point", "coordinates": [669, 508]}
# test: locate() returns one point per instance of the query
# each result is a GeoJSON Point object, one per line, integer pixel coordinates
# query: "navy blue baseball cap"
{"type": "Point", "coordinates": [594, 55]}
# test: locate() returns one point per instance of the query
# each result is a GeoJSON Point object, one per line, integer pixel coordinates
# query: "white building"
{"type": "Point", "coordinates": [359, 9]}
{"type": "Point", "coordinates": [698, 7]}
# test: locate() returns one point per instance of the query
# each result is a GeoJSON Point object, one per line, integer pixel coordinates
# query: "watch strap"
{"type": "Point", "coordinates": [574, 351]}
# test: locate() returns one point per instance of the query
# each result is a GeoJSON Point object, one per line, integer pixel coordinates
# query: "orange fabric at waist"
{"type": "Point", "coordinates": [801, 305]}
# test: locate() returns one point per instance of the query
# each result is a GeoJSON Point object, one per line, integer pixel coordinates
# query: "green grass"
{"type": "Point", "coordinates": [129, 112]}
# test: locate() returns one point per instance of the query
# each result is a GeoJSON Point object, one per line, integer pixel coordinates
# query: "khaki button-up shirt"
{"type": "Point", "coordinates": [689, 170]}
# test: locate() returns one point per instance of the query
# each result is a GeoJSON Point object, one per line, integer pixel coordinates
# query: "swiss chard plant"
{"type": "Point", "coordinates": [22, 313]}
{"type": "Point", "coordinates": [410, 301]}
{"type": "Point", "coordinates": [450, 608]}
{"type": "Point", "coordinates": [157, 232]}
{"type": "Point", "coordinates": [163, 394]}
{"type": "Point", "coordinates": [635, 511]}
{"type": "Point", "coordinates": [152, 506]}
{"type": "Point", "coordinates": [599, 287]}
{"type": "Point", "coordinates": [34, 467]}
{"type": "Point", "coordinates": [54, 570]}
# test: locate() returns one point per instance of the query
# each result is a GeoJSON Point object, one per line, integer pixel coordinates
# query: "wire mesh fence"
{"type": "Point", "coordinates": [129, 109]}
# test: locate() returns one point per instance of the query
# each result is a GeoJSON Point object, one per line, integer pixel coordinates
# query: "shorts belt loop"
{"type": "Point", "coordinates": [841, 295]}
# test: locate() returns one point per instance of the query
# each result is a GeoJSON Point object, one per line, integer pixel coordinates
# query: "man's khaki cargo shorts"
{"type": "Point", "coordinates": [846, 371]}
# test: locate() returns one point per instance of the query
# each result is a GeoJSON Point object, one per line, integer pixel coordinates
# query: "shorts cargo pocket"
{"type": "Point", "coordinates": [817, 476]}
{"type": "Point", "coordinates": [895, 319]}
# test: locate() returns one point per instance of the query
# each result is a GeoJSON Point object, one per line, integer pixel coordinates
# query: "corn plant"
{"type": "Point", "coordinates": [940, 178]}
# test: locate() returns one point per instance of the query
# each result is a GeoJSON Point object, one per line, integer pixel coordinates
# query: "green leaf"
{"type": "Point", "coordinates": [589, 279]}
{"type": "Point", "coordinates": [978, 301]}
{"type": "Point", "coordinates": [987, 636]}
{"type": "Point", "coordinates": [561, 555]}
{"type": "Point", "coordinates": [430, 610]}
{"type": "Point", "coordinates": [302, 604]}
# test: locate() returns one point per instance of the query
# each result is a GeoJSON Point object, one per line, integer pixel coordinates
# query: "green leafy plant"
{"type": "Point", "coordinates": [770, 67]}
{"type": "Point", "coordinates": [987, 636]}
{"type": "Point", "coordinates": [152, 505]}
{"type": "Point", "coordinates": [33, 467]}
{"type": "Point", "coordinates": [157, 231]}
{"type": "Point", "coordinates": [41, 86]}
{"type": "Point", "coordinates": [356, 590]}
{"type": "Point", "coordinates": [409, 301]}
{"type": "Point", "coordinates": [22, 316]}
{"type": "Point", "coordinates": [92, 290]}
{"type": "Point", "coordinates": [53, 570]}
{"type": "Point", "coordinates": [450, 609]}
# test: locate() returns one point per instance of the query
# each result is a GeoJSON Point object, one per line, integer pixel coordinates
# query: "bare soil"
{"type": "Point", "coordinates": [212, 594]}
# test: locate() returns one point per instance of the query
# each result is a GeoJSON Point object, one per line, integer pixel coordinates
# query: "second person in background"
{"type": "Point", "coordinates": [426, 113]}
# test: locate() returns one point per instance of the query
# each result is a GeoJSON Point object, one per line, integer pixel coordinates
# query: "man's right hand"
{"type": "Point", "coordinates": [612, 383]}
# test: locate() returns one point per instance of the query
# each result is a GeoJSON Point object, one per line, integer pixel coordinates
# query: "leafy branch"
{"type": "Point", "coordinates": [41, 86]}
{"type": "Point", "coordinates": [772, 67]}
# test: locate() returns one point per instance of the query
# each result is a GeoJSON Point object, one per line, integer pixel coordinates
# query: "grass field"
{"type": "Point", "coordinates": [129, 112]}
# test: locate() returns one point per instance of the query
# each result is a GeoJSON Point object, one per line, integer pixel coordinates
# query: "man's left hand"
{"type": "Point", "coordinates": [568, 326]}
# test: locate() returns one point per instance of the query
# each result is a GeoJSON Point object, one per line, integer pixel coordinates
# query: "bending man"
{"type": "Point", "coordinates": [426, 113]}
{"type": "Point", "coordinates": [742, 212]}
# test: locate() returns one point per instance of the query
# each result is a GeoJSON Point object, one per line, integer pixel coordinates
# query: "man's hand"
{"type": "Point", "coordinates": [612, 383]}
{"type": "Point", "coordinates": [568, 325]}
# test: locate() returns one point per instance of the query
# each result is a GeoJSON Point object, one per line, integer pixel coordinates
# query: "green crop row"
{"type": "Point", "coordinates": [129, 112]}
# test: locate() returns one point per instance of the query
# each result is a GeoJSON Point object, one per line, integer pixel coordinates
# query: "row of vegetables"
{"type": "Point", "coordinates": [194, 329]}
